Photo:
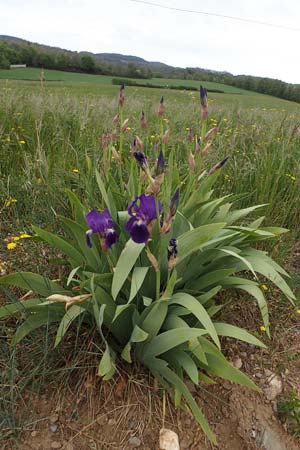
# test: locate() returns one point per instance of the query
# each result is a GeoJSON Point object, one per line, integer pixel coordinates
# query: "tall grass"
{"type": "Point", "coordinates": [47, 132]}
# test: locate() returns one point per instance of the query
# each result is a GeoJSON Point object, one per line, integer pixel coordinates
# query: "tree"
{"type": "Point", "coordinates": [87, 64]}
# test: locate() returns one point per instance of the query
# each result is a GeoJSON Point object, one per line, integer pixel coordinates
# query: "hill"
{"type": "Point", "coordinates": [14, 50]}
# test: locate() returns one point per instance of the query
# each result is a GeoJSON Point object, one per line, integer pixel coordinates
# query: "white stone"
{"type": "Point", "coordinates": [274, 387]}
{"type": "Point", "coordinates": [168, 440]}
{"type": "Point", "coordinates": [134, 441]}
{"type": "Point", "coordinates": [238, 363]}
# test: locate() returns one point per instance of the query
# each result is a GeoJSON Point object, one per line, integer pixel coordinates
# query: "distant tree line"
{"type": "Point", "coordinates": [269, 86]}
{"type": "Point", "coordinates": [35, 55]}
{"type": "Point", "coordinates": [18, 51]}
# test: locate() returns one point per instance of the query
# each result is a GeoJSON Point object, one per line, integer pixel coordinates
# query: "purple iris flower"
{"type": "Point", "coordinates": [174, 203]}
{"type": "Point", "coordinates": [160, 168]}
{"type": "Point", "coordinates": [101, 223]}
{"type": "Point", "coordinates": [203, 96]}
{"type": "Point", "coordinates": [142, 211]}
{"type": "Point", "coordinates": [172, 249]}
{"type": "Point", "coordinates": [141, 159]}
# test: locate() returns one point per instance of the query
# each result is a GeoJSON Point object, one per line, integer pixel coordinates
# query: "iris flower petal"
{"type": "Point", "coordinates": [88, 235]}
{"type": "Point", "coordinates": [96, 221]}
{"type": "Point", "coordinates": [111, 238]}
{"type": "Point", "coordinates": [139, 232]}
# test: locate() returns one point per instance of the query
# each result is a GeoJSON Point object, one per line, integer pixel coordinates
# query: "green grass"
{"type": "Point", "coordinates": [33, 74]}
{"type": "Point", "coordinates": [195, 83]}
{"type": "Point", "coordinates": [62, 122]}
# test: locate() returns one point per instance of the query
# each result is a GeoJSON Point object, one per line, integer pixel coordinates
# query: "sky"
{"type": "Point", "coordinates": [173, 37]}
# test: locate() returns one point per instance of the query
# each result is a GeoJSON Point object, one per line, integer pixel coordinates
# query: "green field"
{"type": "Point", "coordinates": [195, 83]}
{"type": "Point", "coordinates": [33, 74]}
{"type": "Point", "coordinates": [61, 122]}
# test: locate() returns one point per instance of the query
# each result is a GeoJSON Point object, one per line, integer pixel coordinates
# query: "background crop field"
{"type": "Point", "coordinates": [47, 131]}
{"type": "Point", "coordinates": [33, 74]}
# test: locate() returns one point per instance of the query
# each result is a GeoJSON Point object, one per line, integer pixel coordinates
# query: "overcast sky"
{"type": "Point", "coordinates": [176, 38]}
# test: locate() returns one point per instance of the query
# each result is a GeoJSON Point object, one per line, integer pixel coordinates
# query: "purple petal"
{"type": "Point", "coordinates": [131, 205]}
{"type": "Point", "coordinates": [88, 235]}
{"type": "Point", "coordinates": [139, 233]}
{"type": "Point", "coordinates": [148, 207]}
{"type": "Point", "coordinates": [174, 203]}
{"type": "Point", "coordinates": [130, 223]}
{"type": "Point", "coordinates": [96, 221]}
{"type": "Point", "coordinates": [141, 159]}
{"type": "Point", "coordinates": [108, 218]}
{"type": "Point", "coordinates": [160, 163]}
{"type": "Point", "coordinates": [111, 238]}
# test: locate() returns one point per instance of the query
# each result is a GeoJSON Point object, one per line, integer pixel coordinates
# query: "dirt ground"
{"type": "Point", "coordinates": [127, 413]}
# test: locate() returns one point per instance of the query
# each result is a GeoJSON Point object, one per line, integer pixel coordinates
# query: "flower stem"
{"type": "Point", "coordinates": [120, 147]}
{"type": "Point", "coordinates": [159, 248]}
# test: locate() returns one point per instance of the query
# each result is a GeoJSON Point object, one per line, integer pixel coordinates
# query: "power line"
{"type": "Point", "coordinates": [223, 16]}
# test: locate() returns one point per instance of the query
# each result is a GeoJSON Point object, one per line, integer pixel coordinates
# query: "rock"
{"type": "Point", "coordinates": [34, 433]}
{"type": "Point", "coordinates": [134, 441]}
{"type": "Point", "coordinates": [268, 372]}
{"type": "Point", "coordinates": [56, 445]}
{"type": "Point", "coordinates": [237, 363]}
{"type": "Point", "coordinates": [132, 424]}
{"type": "Point", "coordinates": [185, 444]}
{"type": "Point", "coordinates": [53, 427]}
{"type": "Point", "coordinates": [270, 440]}
{"type": "Point", "coordinates": [274, 387]}
{"type": "Point", "coordinates": [69, 446]}
{"type": "Point", "coordinates": [258, 375]}
{"type": "Point", "coordinates": [53, 418]}
{"type": "Point", "coordinates": [168, 440]}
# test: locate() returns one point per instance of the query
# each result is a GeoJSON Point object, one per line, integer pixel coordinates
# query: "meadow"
{"type": "Point", "coordinates": [33, 74]}
{"type": "Point", "coordinates": [47, 131]}
{"type": "Point", "coordinates": [53, 134]}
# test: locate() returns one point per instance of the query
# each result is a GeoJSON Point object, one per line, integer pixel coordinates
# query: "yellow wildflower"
{"type": "Point", "coordinates": [263, 328]}
{"type": "Point", "coordinates": [10, 201]}
{"type": "Point", "coordinates": [293, 178]}
{"type": "Point", "coordinates": [298, 312]}
{"type": "Point", "coordinates": [25, 236]}
{"type": "Point", "coordinates": [128, 128]}
{"type": "Point", "coordinates": [39, 180]}
{"type": "Point", "coordinates": [22, 142]}
{"type": "Point", "coordinates": [264, 287]}
{"type": "Point", "coordinates": [152, 136]}
{"type": "Point", "coordinates": [11, 245]}
{"type": "Point", "coordinates": [15, 238]}
{"type": "Point", "coordinates": [75, 170]}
